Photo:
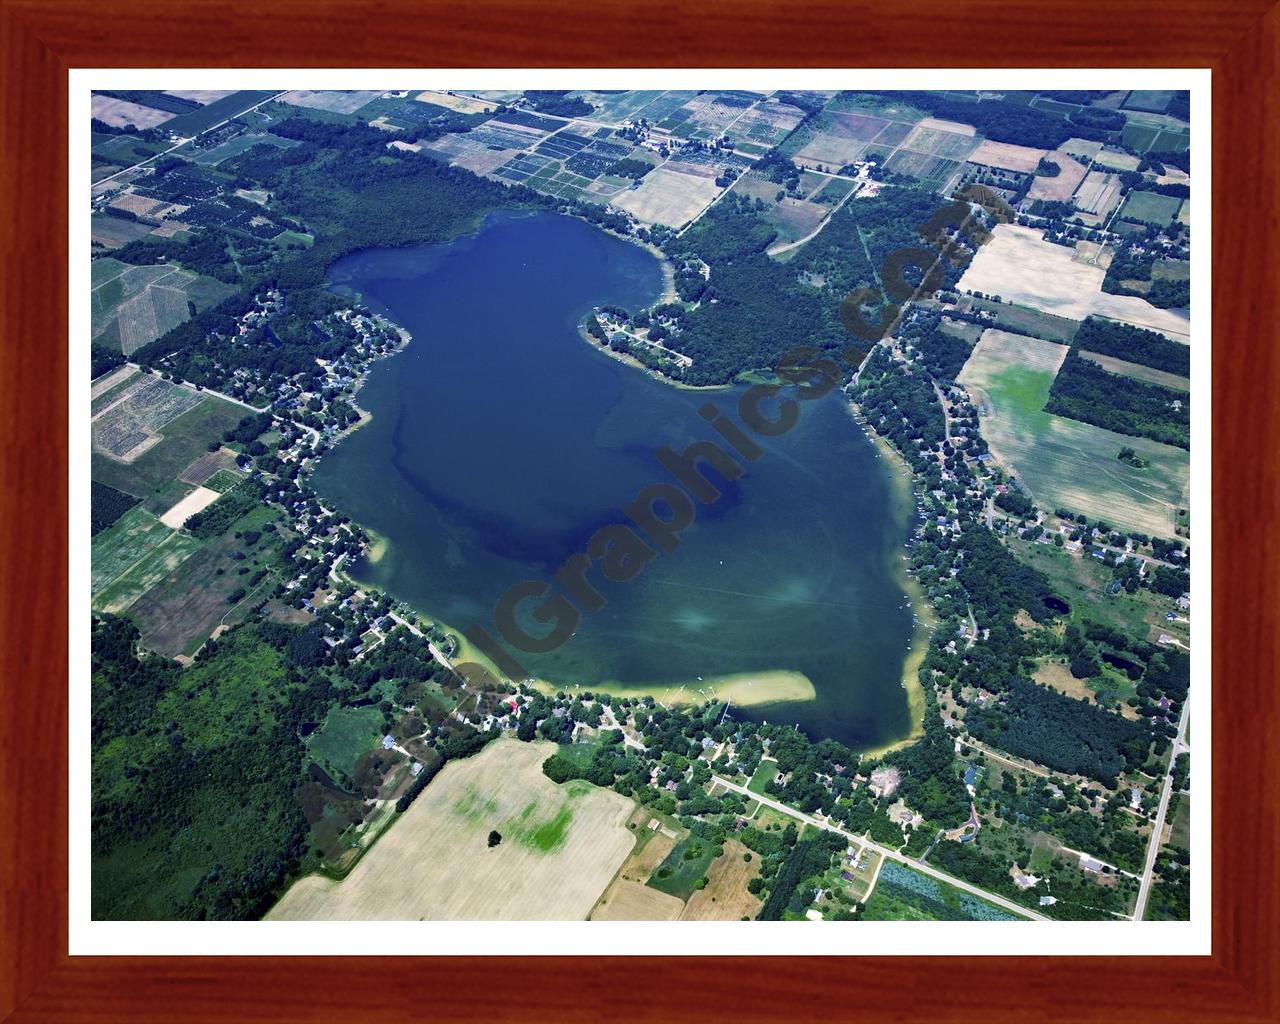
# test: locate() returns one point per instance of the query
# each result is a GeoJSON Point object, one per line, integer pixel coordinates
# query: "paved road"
{"type": "Point", "coordinates": [1153, 844]}
{"type": "Point", "coordinates": [884, 851]}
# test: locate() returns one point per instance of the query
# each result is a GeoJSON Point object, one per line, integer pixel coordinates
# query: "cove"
{"type": "Point", "coordinates": [500, 441]}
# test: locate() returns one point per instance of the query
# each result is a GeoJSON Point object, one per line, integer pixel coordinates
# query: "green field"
{"type": "Point", "coordinates": [902, 894]}
{"type": "Point", "coordinates": [223, 480]}
{"type": "Point", "coordinates": [1150, 208]}
{"type": "Point", "coordinates": [684, 867]}
{"type": "Point", "coordinates": [131, 556]}
{"type": "Point", "coordinates": [1031, 322]}
{"type": "Point", "coordinates": [345, 734]}
{"type": "Point", "coordinates": [1063, 462]}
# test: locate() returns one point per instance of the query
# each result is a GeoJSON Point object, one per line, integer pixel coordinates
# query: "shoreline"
{"type": "Point", "coordinates": [904, 497]}
{"type": "Point", "coordinates": [743, 689]}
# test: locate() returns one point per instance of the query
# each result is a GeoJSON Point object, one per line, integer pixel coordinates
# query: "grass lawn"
{"type": "Point", "coordinates": [1062, 462]}
{"type": "Point", "coordinates": [766, 771]}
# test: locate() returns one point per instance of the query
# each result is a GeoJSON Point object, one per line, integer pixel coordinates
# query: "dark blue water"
{"type": "Point", "coordinates": [500, 441]}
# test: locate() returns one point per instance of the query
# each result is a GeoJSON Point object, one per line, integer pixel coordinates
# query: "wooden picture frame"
{"type": "Point", "coordinates": [41, 39]}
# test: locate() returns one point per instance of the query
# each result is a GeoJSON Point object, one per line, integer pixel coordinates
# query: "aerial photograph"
{"type": "Point", "coordinates": [637, 505]}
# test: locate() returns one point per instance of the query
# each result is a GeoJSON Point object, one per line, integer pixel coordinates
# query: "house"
{"type": "Point", "coordinates": [388, 742]}
{"type": "Point", "coordinates": [1087, 863]}
{"type": "Point", "coordinates": [1048, 901]}
{"type": "Point", "coordinates": [1135, 798]}
{"type": "Point", "coordinates": [415, 769]}
{"type": "Point", "coordinates": [1025, 881]}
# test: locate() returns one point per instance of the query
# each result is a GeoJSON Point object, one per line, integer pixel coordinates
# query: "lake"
{"type": "Point", "coordinates": [500, 441]}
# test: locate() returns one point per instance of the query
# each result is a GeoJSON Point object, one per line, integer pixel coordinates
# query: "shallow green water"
{"type": "Point", "coordinates": [500, 442]}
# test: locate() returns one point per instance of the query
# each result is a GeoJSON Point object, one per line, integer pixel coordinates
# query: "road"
{"type": "Point", "coordinates": [212, 127]}
{"type": "Point", "coordinates": [1153, 844]}
{"type": "Point", "coordinates": [884, 851]}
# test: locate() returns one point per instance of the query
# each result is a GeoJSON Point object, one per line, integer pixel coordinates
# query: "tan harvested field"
{"type": "Point", "coordinates": [1007, 156]}
{"type": "Point", "coordinates": [1064, 185]}
{"type": "Point", "coordinates": [198, 500]}
{"type": "Point", "coordinates": [334, 102]}
{"type": "Point", "coordinates": [830, 151]}
{"type": "Point", "coordinates": [561, 846]}
{"type": "Point", "coordinates": [1063, 462]}
{"type": "Point", "coordinates": [1094, 253]}
{"type": "Point", "coordinates": [1020, 266]}
{"type": "Point", "coordinates": [1081, 149]}
{"type": "Point", "coordinates": [667, 197]}
{"type": "Point", "coordinates": [634, 901]}
{"type": "Point", "coordinates": [726, 897]}
{"type": "Point", "coordinates": [1139, 372]}
{"type": "Point", "coordinates": [484, 161]}
{"type": "Point", "coordinates": [946, 126]}
{"type": "Point", "coordinates": [202, 96]}
{"type": "Point", "coordinates": [462, 104]}
{"type": "Point", "coordinates": [1117, 160]}
{"type": "Point", "coordinates": [1099, 193]}
{"type": "Point", "coordinates": [117, 376]}
{"type": "Point", "coordinates": [119, 113]}
{"type": "Point", "coordinates": [139, 206]}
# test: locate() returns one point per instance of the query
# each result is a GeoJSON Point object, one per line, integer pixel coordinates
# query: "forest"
{"type": "Point", "coordinates": [1084, 391]}
{"type": "Point", "coordinates": [107, 505]}
{"type": "Point", "coordinates": [194, 773]}
{"type": "Point", "coordinates": [1133, 344]}
{"type": "Point", "coordinates": [1061, 733]}
{"type": "Point", "coordinates": [1002, 121]}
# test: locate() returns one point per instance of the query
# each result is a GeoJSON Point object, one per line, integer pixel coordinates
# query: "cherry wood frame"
{"type": "Point", "coordinates": [40, 39]}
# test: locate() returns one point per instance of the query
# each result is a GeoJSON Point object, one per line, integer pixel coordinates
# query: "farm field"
{"type": "Point", "coordinates": [113, 232]}
{"type": "Point", "coordinates": [129, 557]}
{"type": "Point", "coordinates": [1006, 156]}
{"type": "Point", "coordinates": [902, 894]}
{"type": "Point", "coordinates": [561, 847]}
{"type": "Point", "coordinates": [628, 898]}
{"type": "Point", "coordinates": [182, 440]}
{"type": "Point", "coordinates": [1019, 266]}
{"type": "Point", "coordinates": [177, 614]}
{"type": "Point", "coordinates": [1031, 322]}
{"type": "Point", "coordinates": [119, 113]}
{"type": "Point", "coordinates": [1150, 208]}
{"type": "Point", "coordinates": [1060, 461]}
{"type": "Point", "coordinates": [1061, 187]}
{"type": "Point", "coordinates": [1098, 193]}
{"type": "Point", "coordinates": [334, 101]}
{"type": "Point", "coordinates": [198, 500]}
{"type": "Point", "coordinates": [668, 197]}
{"type": "Point", "coordinates": [130, 422]}
{"type": "Point", "coordinates": [726, 897]}
{"type": "Point", "coordinates": [1139, 372]}
{"type": "Point", "coordinates": [216, 111]}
